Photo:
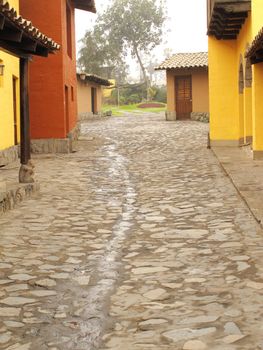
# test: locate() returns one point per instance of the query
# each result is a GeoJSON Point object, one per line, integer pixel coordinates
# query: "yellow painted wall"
{"type": "Point", "coordinates": [199, 89]}
{"type": "Point", "coordinates": [6, 96]}
{"type": "Point", "coordinates": [257, 107]}
{"type": "Point", "coordinates": [248, 124]}
{"type": "Point", "coordinates": [257, 86]}
{"type": "Point", "coordinates": [170, 91]}
{"type": "Point", "coordinates": [223, 90]}
{"type": "Point", "coordinates": [256, 10]}
{"type": "Point", "coordinates": [234, 115]}
{"type": "Point", "coordinates": [84, 97]}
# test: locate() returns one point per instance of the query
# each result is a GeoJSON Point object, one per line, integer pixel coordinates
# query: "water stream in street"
{"type": "Point", "coordinates": [108, 266]}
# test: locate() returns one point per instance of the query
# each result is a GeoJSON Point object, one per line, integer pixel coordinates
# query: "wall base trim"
{"type": "Point", "coordinates": [200, 117]}
{"type": "Point", "coordinates": [10, 198]}
{"type": "Point", "coordinates": [8, 155]}
{"type": "Point", "coordinates": [249, 139]}
{"type": "Point", "coordinates": [170, 116]}
{"type": "Point", "coordinates": [224, 143]}
{"type": "Point", "coordinates": [258, 155]}
{"type": "Point", "coordinates": [90, 116]}
{"type": "Point", "coordinates": [43, 146]}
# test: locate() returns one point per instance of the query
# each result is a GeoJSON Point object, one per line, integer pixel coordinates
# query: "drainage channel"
{"type": "Point", "coordinates": [106, 273]}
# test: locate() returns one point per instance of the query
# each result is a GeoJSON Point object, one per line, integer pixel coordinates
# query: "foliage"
{"type": "Point", "coordinates": [134, 25]}
{"type": "Point", "coordinates": [161, 94]}
{"type": "Point", "coordinates": [98, 56]}
{"type": "Point", "coordinates": [125, 26]}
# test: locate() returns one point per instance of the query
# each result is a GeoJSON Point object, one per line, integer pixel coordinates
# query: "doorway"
{"type": "Point", "coordinates": [241, 104]}
{"type": "Point", "coordinates": [183, 88]}
{"type": "Point", "coordinates": [94, 100]}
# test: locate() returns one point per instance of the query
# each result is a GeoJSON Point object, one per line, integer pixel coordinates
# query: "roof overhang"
{"type": "Point", "coordinates": [204, 67]}
{"type": "Point", "coordinates": [19, 37]}
{"type": "Point", "coordinates": [184, 61]}
{"type": "Point", "coordinates": [86, 5]}
{"type": "Point", "coordinates": [226, 18]}
{"type": "Point", "coordinates": [92, 78]}
{"type": "Point", "coordinates": [255, 50]}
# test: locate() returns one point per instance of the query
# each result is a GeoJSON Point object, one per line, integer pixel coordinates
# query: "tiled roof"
{"type": "Point", "coordinates": [185, 60]}
{"type": "Point", "coordinates": [255, 49]}
{"type": "Point", "coordinates": [94, 79]}
{"type": "Point", "coordinates": [9, 16]}
{"type": "Point", "coordinates": [86, 5]}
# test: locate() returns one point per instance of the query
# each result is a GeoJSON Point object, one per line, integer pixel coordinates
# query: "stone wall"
{"type": "Point", "coordinates": [170, 116]}
{"type": "Point", "coordinates": [43, 146]}
{"type": "Point", "coordinates": [200, 117]}
{"type": "Point", "coordinates": [11, 197]}
{"type": "Point", "coordinates": [90, 116]}
{"type": "Point", "coordinates": [8, 155]}
{"type": "Point", "coordinates": [74, 133]}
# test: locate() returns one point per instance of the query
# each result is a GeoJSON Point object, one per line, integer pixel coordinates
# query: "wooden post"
{"type": "Point", "coordinates": [26, 172]}
{"type": "Point", "coordinates": [24, 112]}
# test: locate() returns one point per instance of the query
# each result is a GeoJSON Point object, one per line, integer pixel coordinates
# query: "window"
{"type": "Point", "coordinates": [69, 31]}
{"type": "Point", "coordinates": [72, 93]}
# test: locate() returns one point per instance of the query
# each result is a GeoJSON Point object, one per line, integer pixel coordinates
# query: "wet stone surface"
{"type": "Point", "coordinates": [137, 241]}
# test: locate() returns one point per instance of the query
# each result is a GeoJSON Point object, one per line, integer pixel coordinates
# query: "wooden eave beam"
{"type": "Point", "coordinates": [11, 34]}
{"type": "Point", "coordinates": [14, 50]}
{"type": "Point", "coordinates": [28, 45]}
{"type": "Point", "coordinates": [18, 42]}
{"type": "Point", "coordinates": [228, 18]}
{"type": "Point", "coordinates": [2, 22]}
{"type": "Point", "coordinates": [255, 60]}
{"type": "Point", "coordinates": [42, 51]}
{"type": "Point", "coordinates": [234, 7]}
{"type": "Point", "coordinates": [24, 49]}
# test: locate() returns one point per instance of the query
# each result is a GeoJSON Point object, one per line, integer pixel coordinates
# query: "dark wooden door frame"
{"type": "Point", "coordinates": [93, 100]}
{"type": "Point", "coordinates": [183, 103]}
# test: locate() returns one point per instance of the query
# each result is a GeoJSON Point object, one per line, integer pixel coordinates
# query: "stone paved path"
{"type": "Point", "coordinates": [137, 241]}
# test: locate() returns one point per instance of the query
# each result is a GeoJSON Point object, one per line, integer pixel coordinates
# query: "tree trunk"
{"type": "Point", "coordinates": [143, 70]}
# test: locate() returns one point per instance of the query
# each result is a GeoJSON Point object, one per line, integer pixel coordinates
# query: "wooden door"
{"type": "Point", "coordinates": [15, 109]}
{"type": "Point", "coordinates": [93, 100]}
{"type": "Point", "coordinates": [183, 88]}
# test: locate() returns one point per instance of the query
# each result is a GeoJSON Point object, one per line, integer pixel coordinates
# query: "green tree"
{"type": "Point", "coordinates": [134, 26]}
{"type": "Point", "coordinates": [98, 56]}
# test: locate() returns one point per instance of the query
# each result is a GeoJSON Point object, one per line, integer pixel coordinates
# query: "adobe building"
{"type": "Point", "coordinates": [90, 95]}
{"type": "Point", "coordinates": [53, 101]}
{"type": "Point", "coordinates": [19, 42]}
{"type": "Point", "coordinates": [236, 73]}
{"type": "Point", "coordinates": [187, 86]}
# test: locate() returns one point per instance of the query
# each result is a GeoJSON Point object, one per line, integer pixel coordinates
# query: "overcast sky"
{"type": "Point", "coordinates": [186, 25]}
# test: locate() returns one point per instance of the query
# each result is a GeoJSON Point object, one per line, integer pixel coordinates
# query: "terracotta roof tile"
{"type": "Point", "coordinates": [10, 14]}
{"type": "Point", "coordinates": [185, 60]}
{"type": "Point", "coordinates": [94, 78]}
{"type": "Point", "coordinates": [256, 45]}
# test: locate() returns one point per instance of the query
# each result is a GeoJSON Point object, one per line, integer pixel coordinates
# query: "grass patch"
{"type": "Point", "coordinates": [120, 111]}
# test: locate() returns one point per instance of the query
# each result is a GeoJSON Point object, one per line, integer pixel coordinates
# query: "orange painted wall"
{"type": "Point", "coordinates": [84, 97]}
{"type": "Point", "coordinates": [200, 92]}
{"type": "Point", "coordinates": [48, 78]}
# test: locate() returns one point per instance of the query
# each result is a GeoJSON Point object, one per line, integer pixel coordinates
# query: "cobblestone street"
{"type": "Point", "coordinates": [137, 241]}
